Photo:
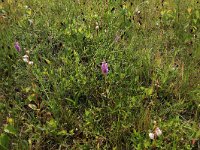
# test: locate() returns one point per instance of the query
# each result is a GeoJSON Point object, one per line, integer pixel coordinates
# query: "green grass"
{"type": "Point", "coordinates": [63, 101]}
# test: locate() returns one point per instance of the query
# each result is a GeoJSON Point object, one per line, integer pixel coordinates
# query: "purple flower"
{"type": "Point", "coordinates": [104, 68]}
{"type": "Point", "coordinates": [17, 47]}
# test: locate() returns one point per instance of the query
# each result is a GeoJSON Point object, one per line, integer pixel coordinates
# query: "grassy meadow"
{"type": "Point", "coordinates": [55, 95]}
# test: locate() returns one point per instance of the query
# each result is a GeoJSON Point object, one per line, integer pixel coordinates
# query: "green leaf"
{"type": "Point", "coordinates": [87, 112]}
{"type": "Point", "coordinates": [71, 101]}
{"type": "Point", "coordinates": [47, 61]}
{"type": "Point", "coordinates": [146, 143]}
{"type": "Point", "coordinates": [197, 14]}
{"type": "Point", "coordinates": [4, 142]}
{"type": "Point", "coordinates": [31, 97]}
{"type": "Point", "coordinates": [63, 132]}
{"type": "Point", "coordinates": [10, 129]}
{"type": "Point", "coordinates": [52, 124]}
{"type": "Point", "coordinates": [149, 91]}
{"type": "Point", "coordinates": [71, 132]}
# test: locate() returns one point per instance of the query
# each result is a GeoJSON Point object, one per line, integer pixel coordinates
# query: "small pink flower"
{"type": "Point", "coordinates": [157, 131]}
{"type": "Point", "coordinates": [104, 68]}
{"type": "Point", "coordinates": [17, 47]}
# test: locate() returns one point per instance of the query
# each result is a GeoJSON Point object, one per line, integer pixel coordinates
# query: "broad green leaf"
{"type": "Point", "coordinates": [10, 129]}
{"type": "Point", "coordinates": [4, 142]}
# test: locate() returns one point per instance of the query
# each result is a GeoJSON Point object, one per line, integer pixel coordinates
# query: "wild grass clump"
{"type": "Point", "coordinates": [99, 74]}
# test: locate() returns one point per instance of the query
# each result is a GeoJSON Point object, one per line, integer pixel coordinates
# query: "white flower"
{"type": "Point", "coordinates": [30, 62]}
{"type": "Point", "coordinates": [151, 135]}
{"type": "Point", "coordinates": [158, 132]}
{"type": "Point", "coordinates": [97, 27]}
{"type": "Point", "coordinates": [25, 58]}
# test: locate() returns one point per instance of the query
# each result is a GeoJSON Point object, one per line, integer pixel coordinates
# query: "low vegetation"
{"type": "Point", "coordinates": [89, 74]}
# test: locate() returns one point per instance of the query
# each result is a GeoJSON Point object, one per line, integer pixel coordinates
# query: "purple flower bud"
{"type": "Point", "coordinates": [104, 68]}
{"type": "Point", "coordinates": [17, 47]}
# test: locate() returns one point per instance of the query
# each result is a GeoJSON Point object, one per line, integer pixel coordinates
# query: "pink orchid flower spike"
{"type": "Point", "coordinates": [104, 68]}
{"type": "Point", "coordinates": [17, 47]}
